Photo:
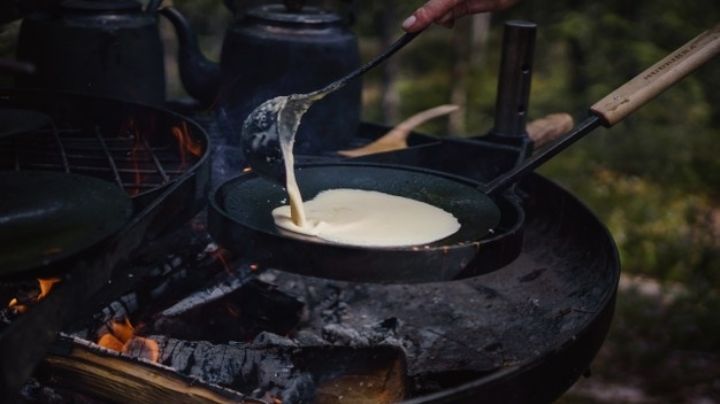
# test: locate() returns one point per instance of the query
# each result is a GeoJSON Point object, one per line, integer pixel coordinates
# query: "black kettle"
{"type": "Point", "coordinates": [273, 50]}
{"type": "Point", "coordinates": [100, 47]}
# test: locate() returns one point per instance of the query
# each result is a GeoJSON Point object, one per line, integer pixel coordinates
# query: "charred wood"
{"type": "Point", "coordinates": [111, 376]}
{"type": "Point", "coordinates": [140, 286]}
{"type": "Point", "coordinates": [271, 367]}
{"type": "Point", "coordinates": [235, 309]}
{"type": "Point", "coordinates": [277, 366]}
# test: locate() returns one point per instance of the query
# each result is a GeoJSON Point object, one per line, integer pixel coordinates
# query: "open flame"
{"type": "Point", "coordinates": [121, 338]}
{"type": "Point", "coordinates": [16, 307]}
{"type": "Point", "coordinates": [44, 285]}
{"type": "Point", "coordinates": [186, 143]}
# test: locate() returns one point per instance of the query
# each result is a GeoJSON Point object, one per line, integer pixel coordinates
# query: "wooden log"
{"type": "Point", "coordinates": [248, 368]}
{"type": "Point", "coordinates": [272, 367]}
{"type": "Point", "coordinates": [111, 376]}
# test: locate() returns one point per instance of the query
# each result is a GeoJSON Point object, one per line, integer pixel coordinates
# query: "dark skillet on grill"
{"type": "Point", "coordinates": [139, 151]}
{"type": "Point", "coordinates": [134, 146]}
{"type": "Point", "coordinates": [240, 219]}
{"type": "Point", "coordinates": [46, 217]}
{"type": "Point", "coordinates": [237, 203]}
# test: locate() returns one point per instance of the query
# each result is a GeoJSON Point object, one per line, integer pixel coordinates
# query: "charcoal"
{"type": "Point", "coordinates": [245, 368]}
{"type": "Point", "coordinates": [235, 309]}
{"type": "Point", "coordinates": [268, 339]}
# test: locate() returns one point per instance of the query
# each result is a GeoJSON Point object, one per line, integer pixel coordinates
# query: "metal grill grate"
{"type": "Point", "coordinates": [128, 161]}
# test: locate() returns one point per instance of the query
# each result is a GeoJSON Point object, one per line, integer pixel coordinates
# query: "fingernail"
{"type": "Point", "coordinates": [409, 22]}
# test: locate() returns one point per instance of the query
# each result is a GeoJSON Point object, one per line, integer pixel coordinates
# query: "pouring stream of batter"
{"type": "Point", "coordinates": [345, 216]}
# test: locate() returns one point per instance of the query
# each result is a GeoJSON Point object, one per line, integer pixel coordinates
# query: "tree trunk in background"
{"type": "Point", "coordinates": [470, 38]}
{"type": "Point", "coordinates": [390, 102]}
{"type": "Point", "coordinates": [461, 45]}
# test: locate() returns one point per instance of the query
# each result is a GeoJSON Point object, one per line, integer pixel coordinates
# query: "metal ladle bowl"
{"type": "Point", "coordinates": [278, 119]}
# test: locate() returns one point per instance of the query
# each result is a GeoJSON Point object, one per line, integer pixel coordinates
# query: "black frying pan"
{"type": "Point", "coordinates": [240, 217]}
{"type": "Point", "coordinates": [240, 220]}
{"type": "Point", "coordinates": [46, 217]}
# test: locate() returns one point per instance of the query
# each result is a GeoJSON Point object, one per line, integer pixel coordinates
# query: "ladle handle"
{"type": "Point", "coordinates": [394, 47]}
{"type": "Point", "coordinates": [656, 79]}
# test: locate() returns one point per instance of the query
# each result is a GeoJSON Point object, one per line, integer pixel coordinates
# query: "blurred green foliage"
{"type": "Point", "coordinates": [655, 178]}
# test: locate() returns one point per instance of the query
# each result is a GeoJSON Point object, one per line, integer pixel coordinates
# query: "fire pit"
{"type": "Point", "coordinates": [187, 319]}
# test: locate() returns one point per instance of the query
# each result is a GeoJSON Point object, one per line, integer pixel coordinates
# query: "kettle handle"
{"type": "Point", "coordinates": [200, 76]}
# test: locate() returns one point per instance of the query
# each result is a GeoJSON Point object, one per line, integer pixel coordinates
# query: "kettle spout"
{"type": "Point", "coordinates": [200, 76]}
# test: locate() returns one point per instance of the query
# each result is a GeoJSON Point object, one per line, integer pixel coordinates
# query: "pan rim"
{"type": "Point", "coordinates": [217, 193]}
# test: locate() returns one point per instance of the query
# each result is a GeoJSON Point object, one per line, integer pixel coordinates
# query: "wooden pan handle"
{"type": "Point", "coordinates": [653, 81]}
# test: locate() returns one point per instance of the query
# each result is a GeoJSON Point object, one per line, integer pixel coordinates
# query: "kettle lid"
{"type": "Point", "coordinates": [102, 6]}
{"type": "Point", "coordinates": [305, 16]}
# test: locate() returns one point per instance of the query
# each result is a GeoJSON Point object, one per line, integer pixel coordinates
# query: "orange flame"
{"type": "Point", "coordinates": [122, 338]}
{"type": "Point", "coordinates": [16, 307]}
{"type": "Point", "coordinates": [185, 143]}
{"type": "Point", "coordinates": [247, 169]}
{"type": "Point", "coordinates": [109, 341]}
{"type": "Point", "coordinates": [46, 286]}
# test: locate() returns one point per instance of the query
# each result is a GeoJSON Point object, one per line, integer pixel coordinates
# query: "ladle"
{"type": "Point", "coordinates": [279, 118]}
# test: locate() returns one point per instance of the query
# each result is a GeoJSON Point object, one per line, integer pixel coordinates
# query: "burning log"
{"type": "Point", "coordinates": [87, 368]}
{"type": "Point", "coordinates": [277, 365]}
{"type": "Point", "coordinates": [271, 368]}
{"type": "Point", "coordinates": [235, 309]}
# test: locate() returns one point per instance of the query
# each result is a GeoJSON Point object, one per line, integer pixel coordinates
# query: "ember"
{"type": "Point", "coordinates": [121, 338]}
{"type": "Point", "coordinates": [45, 286]}
{"type": "Point", "coordinates": [16, 307]}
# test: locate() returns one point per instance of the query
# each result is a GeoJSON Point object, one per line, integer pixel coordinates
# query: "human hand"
{"type": "Point", "coordinates": [445, 12]}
